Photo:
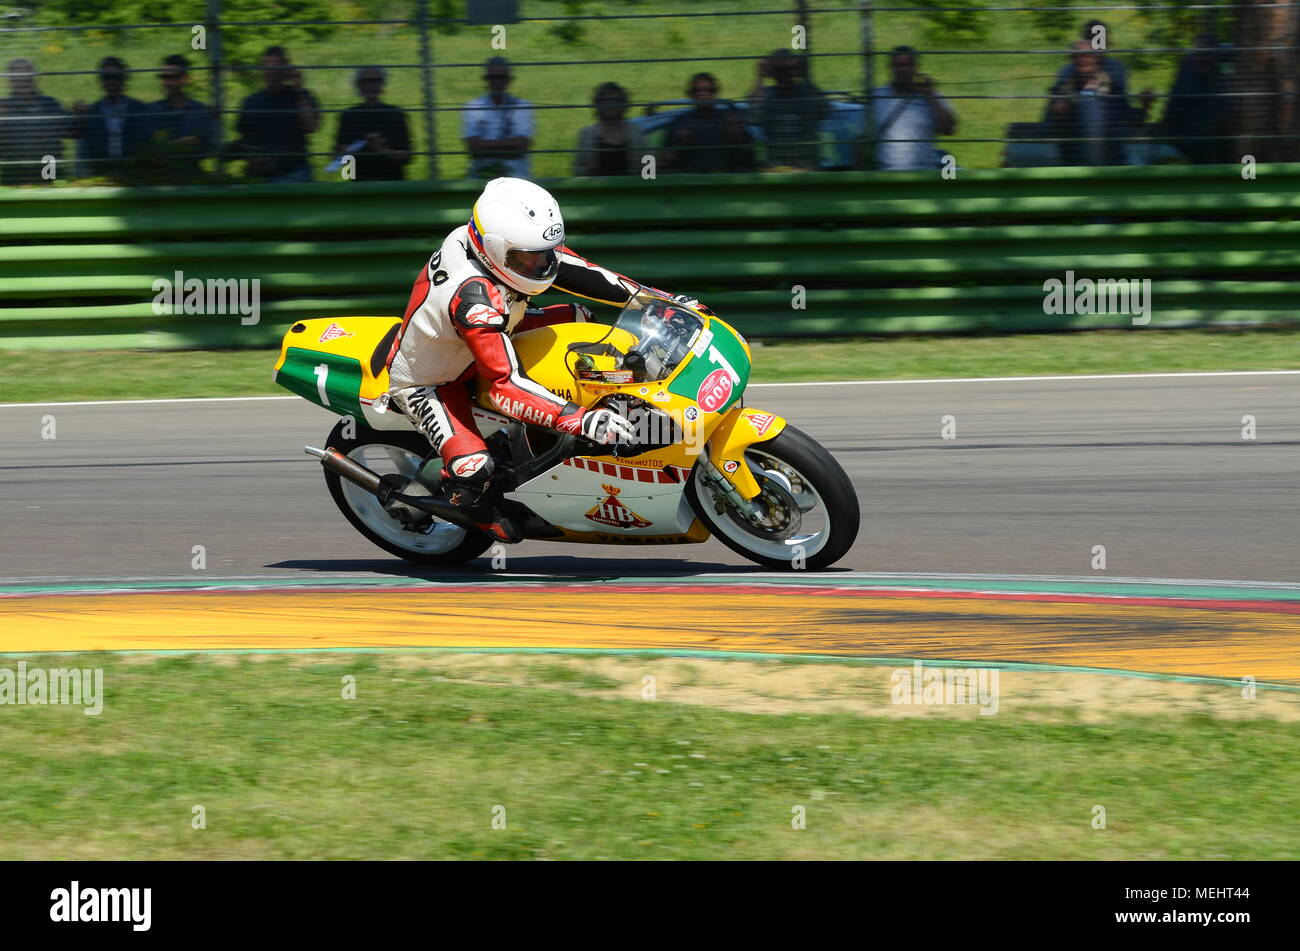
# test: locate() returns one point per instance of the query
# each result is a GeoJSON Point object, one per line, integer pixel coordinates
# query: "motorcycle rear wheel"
{"type": "Point", "coordinates": [400, 452]}
{"type": "Point", "coordinates": [793, 470]}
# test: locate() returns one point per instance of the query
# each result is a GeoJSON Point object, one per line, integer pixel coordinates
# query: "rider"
{"type": "Point", "coordinates": [472, 294]}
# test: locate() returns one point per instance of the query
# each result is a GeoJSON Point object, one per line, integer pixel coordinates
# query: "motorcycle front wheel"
{"type": "Point", "coordinates": [809, 511]}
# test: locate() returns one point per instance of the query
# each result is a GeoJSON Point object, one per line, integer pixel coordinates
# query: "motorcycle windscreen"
{"type": "Point", "coordinates": [665, 333]}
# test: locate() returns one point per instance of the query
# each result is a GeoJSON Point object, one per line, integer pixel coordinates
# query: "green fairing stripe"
{"type": "Point", "coordinates": [696, 369]}
{"type": "Point", "coordinates": [342, 379]}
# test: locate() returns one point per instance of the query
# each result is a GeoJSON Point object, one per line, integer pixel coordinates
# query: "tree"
{"type": "Point", "coordinates": [241, 46]}
{"type": "Point", "coordinates": [1270, 72]}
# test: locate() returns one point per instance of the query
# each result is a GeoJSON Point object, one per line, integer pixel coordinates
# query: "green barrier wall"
{"type": "Point", "coordinates": [877, 254]}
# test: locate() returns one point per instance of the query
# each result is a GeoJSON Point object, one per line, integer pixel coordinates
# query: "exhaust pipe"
{"type": "Point", "coordinates": [354, 472]}
{"type": "Point", "coordinates": [385, 488]}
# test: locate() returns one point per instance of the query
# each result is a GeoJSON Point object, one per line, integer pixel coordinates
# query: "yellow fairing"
{"type": "Point", "coordinates": [544, 355]}
{"type": "Point", "coordinates": [741, 429]}
{"type": "Point", "coordinates": [357, 338]}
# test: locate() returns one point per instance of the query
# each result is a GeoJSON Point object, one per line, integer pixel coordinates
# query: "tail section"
{"type": "Point", "coordinates": [337, 363]}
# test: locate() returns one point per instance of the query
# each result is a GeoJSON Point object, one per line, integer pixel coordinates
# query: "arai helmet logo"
{"type": "Point", "coordinates": [553, 233]}
{"type": "Point", "coordinates": [714, 391]}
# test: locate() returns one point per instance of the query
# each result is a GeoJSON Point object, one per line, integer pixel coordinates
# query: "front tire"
{"type": "Point", "coordinates": [400, 452]}
{"type": "Point", "coordinates": [793, 471]}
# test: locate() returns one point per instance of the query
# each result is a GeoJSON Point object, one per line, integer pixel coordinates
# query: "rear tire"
{"type": "Point", "coordinates": [445, 544]}
{"type": "Point", "coordinates": [813, 478]}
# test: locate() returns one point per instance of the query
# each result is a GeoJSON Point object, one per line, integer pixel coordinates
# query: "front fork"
{"type": "Point", "coordinates": [743, 427]}
{"type": "Point", "coordinates": [724, 492]}
{"type": "Point", "coordinates": [723, 467]}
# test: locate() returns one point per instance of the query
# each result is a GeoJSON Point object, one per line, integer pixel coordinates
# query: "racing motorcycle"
{"type": "Point", "coordinates": [702, 464]}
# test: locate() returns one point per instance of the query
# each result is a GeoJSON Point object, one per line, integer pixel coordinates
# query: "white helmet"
{"type": "Point", "coordinates": [514, 231]}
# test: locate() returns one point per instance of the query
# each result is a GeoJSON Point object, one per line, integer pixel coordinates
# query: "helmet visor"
{"type": "Point", "coordinates": [533, 265]}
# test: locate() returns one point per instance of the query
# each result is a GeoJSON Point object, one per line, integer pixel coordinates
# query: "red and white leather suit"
{"type": "Point", "coordinates": [457, 327]}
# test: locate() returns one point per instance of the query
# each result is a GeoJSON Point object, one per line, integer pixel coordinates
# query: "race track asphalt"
{"type": "Point", "coordinates": [1155, 469]}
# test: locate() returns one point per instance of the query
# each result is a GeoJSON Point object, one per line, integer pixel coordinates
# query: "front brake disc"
{"type": "Point", "coordinates": [779, 507]}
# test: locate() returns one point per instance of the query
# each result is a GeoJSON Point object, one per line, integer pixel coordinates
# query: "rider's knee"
{"type": "Point", "coordinates": [470, 468]}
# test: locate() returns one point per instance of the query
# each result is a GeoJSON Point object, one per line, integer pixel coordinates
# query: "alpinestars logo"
{"type": "Point", "coordinates": [481, 315]}
{"type": "Point", "coordinates": [614, 513]}
{"type": "Point", "coordinates": [333, 332]}
{"type": "Point", "coordinates": [468, 465]}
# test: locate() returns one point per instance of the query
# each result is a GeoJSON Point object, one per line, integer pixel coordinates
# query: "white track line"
{"type": "Point", "coordinates": [1034, 379]}
{"type": "Point", "coordinates": [970, 379]}
{"type": "Point", "coordinates": [192, 399]}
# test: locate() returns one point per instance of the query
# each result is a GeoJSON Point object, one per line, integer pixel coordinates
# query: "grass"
{"type": "Point", "coordinates": [59, 377]}
{"type": "Point", "coordinates": [572, 83]}
{"type": "Point", "coordinates": [418, 763]}
{"type": "Point", "coordinates": [1103, 351]}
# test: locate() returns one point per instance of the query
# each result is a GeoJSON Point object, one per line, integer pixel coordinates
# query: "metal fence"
{"type": "Point", "coordinates": [1007, 75]}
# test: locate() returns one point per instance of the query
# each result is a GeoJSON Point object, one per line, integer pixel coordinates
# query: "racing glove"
{"type": "Point", "coordinates": [601, 426]}
{"type": "Point", "coordinates": [693, 303]}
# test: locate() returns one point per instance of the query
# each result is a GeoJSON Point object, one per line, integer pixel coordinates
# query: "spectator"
{"type": "Point", "coordinates": [114, 129]}
{"type": "Point", "coordinates": [789, 112]}
{"type": "Point", "coordinates": [274, 122]}
{"type": "Point", "coordinates": [611, 146]}
{"type": "Point", "coordinates": [907, 115]}
{"type": "Point", "coordinates": [32, 127]}
{"type": "Point", "coordinates": [1097, 35]}
{"type": "Point", "coordinates": [1089, 112]}
{"type": "Point", "coordinates": [374, 131]}
{"type": "Point", "coordinates": [184, 128]}
{"type": "Point", "coordinates": [708, 138]}
{"type": "Point", "coordinates": [497, 127]}
{"type": "Point", "coordinates": [1197, 111]}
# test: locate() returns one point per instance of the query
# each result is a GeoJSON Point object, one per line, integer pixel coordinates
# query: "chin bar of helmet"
{"type": "Point", "coordinates": [385, 488]}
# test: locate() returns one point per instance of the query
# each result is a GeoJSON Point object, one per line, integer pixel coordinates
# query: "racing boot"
{"type": "Point", "coordinates": [465, 482]}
